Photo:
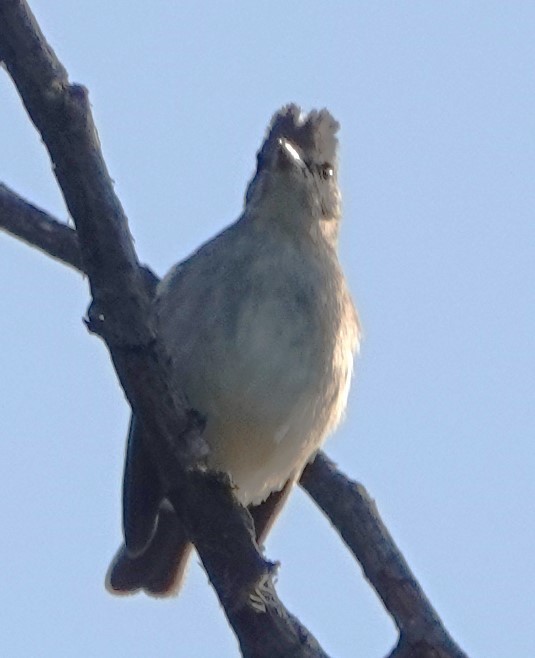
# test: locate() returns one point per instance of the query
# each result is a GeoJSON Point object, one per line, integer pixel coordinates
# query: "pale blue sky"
{"type": "Point", "coordinates": [436, 102]}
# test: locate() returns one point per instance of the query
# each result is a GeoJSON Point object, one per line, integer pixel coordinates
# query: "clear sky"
{"type": "Point", "coordinates": [436, 102]}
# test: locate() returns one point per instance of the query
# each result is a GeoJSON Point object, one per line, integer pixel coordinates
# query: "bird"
{"type": "Point", "coordinates": [261, 332]}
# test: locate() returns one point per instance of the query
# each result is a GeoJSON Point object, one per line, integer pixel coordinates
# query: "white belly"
{"type": "Point", "coordinates": [270, 399]}
{"type": "Point", "coordinates": [265, 355]}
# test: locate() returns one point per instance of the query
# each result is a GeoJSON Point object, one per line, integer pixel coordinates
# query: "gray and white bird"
{"type": "Point", "coordinates": [262, 333]}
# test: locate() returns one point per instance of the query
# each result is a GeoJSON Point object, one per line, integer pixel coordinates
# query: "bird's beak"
{"type": "Point", "coordinates": [290, 154]}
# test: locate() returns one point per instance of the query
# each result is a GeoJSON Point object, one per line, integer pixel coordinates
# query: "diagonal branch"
{"type": "Point", "coordinates": [119, 314]}
{"type": "Point", "coordinates": [356, 518]}
{"type": "Point", "coordinates": [37, 228]}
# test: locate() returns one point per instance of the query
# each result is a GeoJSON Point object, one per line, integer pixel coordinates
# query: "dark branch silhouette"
{"type": "Point", "coordinates": [121, 289]}
{"type": "Point", "coordinates": [38, 229]}
{"type": "Point", "coordinates": [119, 314]}
{"type": "Point", "coordinates": [356, 519]}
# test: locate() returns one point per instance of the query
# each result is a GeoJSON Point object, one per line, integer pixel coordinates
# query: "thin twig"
{"type": "Point", "coordinates": [37, 228]}
{"type": "Point", "coordinates": [355, 517]}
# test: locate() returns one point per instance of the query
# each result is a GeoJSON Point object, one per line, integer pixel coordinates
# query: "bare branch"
{"type": "Point", "coordinates": [61, 113]}
{"type": "Point", "coordinates": [119, 314]}
{"type": "Point", "coordinates": [354, 515]}
{"type": "Point", "coordinates": [37, 228]}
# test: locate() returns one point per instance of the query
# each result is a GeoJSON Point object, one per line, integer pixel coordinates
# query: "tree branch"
{"type": "Point", "coordinates": [356, 519]}
{"type": "Point", "coordinates": [119, 314]}
{"type": "Point", "coordinates": [37, 228]}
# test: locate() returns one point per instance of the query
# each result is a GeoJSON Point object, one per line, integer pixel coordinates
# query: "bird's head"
{"type": "Point", "coordinates": [296, 174]}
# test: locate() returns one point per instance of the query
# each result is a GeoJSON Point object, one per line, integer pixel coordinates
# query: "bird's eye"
{"type": "Point", "coordinates": [326, 171]}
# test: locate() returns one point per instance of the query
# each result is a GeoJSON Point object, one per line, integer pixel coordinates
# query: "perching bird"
{"type": "Point", "coordinates": [262, 332]}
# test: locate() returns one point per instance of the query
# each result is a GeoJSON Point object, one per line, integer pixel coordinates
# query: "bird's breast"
{"type": "Point", "coordinates": [266, 357]}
